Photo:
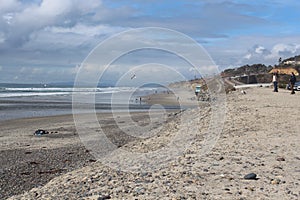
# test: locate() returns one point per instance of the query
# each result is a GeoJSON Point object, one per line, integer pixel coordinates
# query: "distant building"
{"type": "Point", "coordinates": [291, 62]}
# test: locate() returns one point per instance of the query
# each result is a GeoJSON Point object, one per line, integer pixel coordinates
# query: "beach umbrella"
{"type": "Point", "coordinates": [284, 71]}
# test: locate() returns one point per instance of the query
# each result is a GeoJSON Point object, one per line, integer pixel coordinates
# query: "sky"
{"type": "Point", "coordinates": [44, 41]}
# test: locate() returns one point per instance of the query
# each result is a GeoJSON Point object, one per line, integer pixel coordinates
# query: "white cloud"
{"type": "Point", "coordinates": [37, 70]}
{"type": "Point", "coordinates": [32, 71]}
{"type": "Point", "coordinates": [87, 5]}
{"type": "Point", "coordinates": [43, 74]}
{"type": "Point", "coordinates": [260, 49]}
{"type": "Point", "coordinates": [75, 69]}
{"type": "Point", "coordinates": [248, 56]}
{"type": "Point", "coordinates": [86, 30]}
{"type": "Point", "coordinates": [256, 52]}
{"type": "Point", "coordinates": [9, 5]}
{"type": "Point", "coordinates": [8, 18]}
{"type": "Point", "coordinates": [240, 50]}
{"type": "Point", "coordinates": [1, 68]}
{"type": "Point", "coordinates": [52, 8]}
{"type": "Point", "coordinates": [21, 24]}
{"type": "Point", "coordinates": [275, 51]}
{"type": "Point", "coordinates": [260, 54]}
{"type": "Point", "coordinates": [285, 49]}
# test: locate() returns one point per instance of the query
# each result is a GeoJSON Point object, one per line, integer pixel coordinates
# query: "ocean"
{"type": "Point", "coordinates": [36, 100]}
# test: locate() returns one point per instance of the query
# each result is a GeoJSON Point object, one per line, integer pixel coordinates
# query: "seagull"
{"type": "Point", "coordinates": [133, 77]}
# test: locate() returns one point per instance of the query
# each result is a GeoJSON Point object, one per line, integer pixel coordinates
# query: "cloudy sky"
{"type": "Point", "coordinates": [47, 40]}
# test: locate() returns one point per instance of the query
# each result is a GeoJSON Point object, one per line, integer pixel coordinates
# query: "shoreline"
{"type": "Point", "coordinates": [50, 109]}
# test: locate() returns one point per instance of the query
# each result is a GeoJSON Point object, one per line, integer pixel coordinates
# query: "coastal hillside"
{"type": "Point", "coordinates": [260, 73]}
{"type": "Point", "coordinates": [247, 69]}
{"type": "Point", "coordinates": [292, 62]}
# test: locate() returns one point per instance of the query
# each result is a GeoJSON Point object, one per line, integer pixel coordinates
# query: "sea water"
{"type": "Point", "coordinates": [24, 100]}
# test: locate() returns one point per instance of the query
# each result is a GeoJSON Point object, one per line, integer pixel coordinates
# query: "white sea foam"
{"type": "Point", "coordinates": [23, 92]}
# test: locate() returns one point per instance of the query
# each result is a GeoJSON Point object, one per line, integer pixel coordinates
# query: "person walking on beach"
{"type": "Point", "coordinates": [275, 81]}
{"type": "Point", "coordinates": [292, 82]}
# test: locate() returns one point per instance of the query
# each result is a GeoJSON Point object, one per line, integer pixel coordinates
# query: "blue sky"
{"type": "Point", "coordinates": [46, 40]}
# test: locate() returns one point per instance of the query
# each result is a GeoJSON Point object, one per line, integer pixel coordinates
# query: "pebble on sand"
{"type": "Point", "coordinates": [275, 181]}
{"type": "Point", "coordinates": [280, 159]}
{"type": "Point", "coordinates": [250, 176]}
{"type": "Point", "coordinates": [40, 132]}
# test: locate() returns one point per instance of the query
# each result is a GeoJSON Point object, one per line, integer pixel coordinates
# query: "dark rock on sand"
{"type": "Point", "coordinates": [40, 132]}
{"type": "Point", "coordinates": [104, 197]}
{"type": "Point", "coordinates": [250, 176]}
{"type": "Point", "coordinates": [280, 159]}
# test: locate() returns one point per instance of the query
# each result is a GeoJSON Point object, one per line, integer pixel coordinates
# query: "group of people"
{"type": "Point", "coordinates": [292, 82]}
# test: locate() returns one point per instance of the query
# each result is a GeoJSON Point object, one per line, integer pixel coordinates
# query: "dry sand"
{"type": "Point", "coordinates": [260, 135]}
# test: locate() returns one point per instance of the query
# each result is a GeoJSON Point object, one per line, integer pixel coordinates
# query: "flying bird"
{"type": "Point", "coordinates": [133, 77]}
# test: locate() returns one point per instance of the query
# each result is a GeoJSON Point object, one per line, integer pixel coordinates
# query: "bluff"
{"type": "Point", "coordinates": [259, 73]}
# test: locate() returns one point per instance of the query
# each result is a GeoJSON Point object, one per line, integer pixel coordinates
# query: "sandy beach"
{"type": "Point", "coordinates": [29, 161]}
{"type": "Point", "coordinates": [260, 135]}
